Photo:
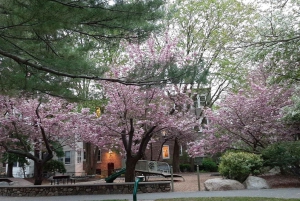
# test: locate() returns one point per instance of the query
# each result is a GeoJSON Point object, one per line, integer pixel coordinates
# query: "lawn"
{"type": "Point", "coordinates": [219, 199]}
{"type": "Point", "coordinates": [226, 199]}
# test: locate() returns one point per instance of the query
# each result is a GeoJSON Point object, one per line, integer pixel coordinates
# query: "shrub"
{"type": "Point", "coordinates": [55, 166]}
{"type": "Point", "coordinates": [185, 167]}
{"type": "Point", "coordinates": [285, 155]}
{"type": "Point", "coordinates": [209, 165]}
{"type": "Point", "coordinates": [239, 165]}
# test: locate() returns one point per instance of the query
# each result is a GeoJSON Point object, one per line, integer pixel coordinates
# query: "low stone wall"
{"type": "Point", "coordinates": [85, 189]}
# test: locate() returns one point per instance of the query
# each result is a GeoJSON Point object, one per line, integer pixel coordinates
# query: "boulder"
{"type": "Point", "coordinates": [219, 184]}
{"type": "Point", "coordinates": [274, 171]}
{"type": "Point", "coordinates": [256, 183]}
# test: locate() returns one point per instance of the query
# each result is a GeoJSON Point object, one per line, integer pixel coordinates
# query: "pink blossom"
{"type": "Point", "coordinates": [250, 119]}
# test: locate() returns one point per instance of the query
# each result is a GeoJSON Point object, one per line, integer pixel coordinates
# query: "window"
{"type": "Point", "coordinates": [67, 157]}
{"type": "Point", "coordinates": [99, 156]}
{"type": "Point", "coordinates": [202, 100]}
{"type": "Point", "coordinates": [84, 155]}
{"type": "Point", "coordinates": [166, 152]}
{"type": "Point", "coordinates": [79, 156]}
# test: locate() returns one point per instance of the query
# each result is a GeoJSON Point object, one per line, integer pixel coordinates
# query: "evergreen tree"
{"type": "Point", "coordinates": [46, 44]}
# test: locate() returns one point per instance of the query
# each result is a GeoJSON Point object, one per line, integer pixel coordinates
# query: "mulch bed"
{"type": "Point", "coordinates": [282, 181]}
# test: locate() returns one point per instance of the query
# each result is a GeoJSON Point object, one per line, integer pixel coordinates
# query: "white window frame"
{"type": "Point", "coordinates": [69, 162]}
{"type": "Point", "coordinates": [79, 157]}
{"type": "Point", "coordinates": [202, 100]}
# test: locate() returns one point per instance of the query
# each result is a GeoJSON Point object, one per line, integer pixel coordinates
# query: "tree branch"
{"type": "Point", "coordinates": [49, 150]}
{"type": "Point", "coordinates": [59, 73]}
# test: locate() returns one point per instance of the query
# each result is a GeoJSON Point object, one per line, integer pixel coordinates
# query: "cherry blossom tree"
{"type": "Point", "coordinates": [248, 120]}
{"type": "Point", "coordinates": [32, 126]}
{"type": "Point", "coordinates": [134, 115]}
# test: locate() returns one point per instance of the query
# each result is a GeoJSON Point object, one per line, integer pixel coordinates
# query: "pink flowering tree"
{"type": "Point", "coordinates": [135, 115]}
{"type": "Point", "coordinates": [248, 120]}
{"type": "Point", "coordinates": [30, 126]}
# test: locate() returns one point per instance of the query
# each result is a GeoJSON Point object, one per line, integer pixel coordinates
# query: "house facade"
{"type": "Point", "coordinates": [75, 163]}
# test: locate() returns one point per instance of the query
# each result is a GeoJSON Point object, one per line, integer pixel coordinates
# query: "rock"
{"type": "Point", "coordinates": [219, 184]}
{"type": "Point", "coordinates": [274, 171]}
{"type": "Point", "coordinates": [256, 183]}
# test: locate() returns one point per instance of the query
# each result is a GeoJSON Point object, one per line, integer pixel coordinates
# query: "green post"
{"type": "Point", "coordinates": [172, 180]}
{"type": "Point", "coordinates": [198, 176]}
{"type": "Point", "coordinates": [136, 183]}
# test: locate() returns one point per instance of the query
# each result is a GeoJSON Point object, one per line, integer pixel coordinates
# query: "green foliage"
{"type": "Point", "coordinates": [50, 46]}
{"type": "Point", "coordinates": [208, 28]}
{"type": "Point", "coordinates": [280, 51]}
{"type": "Point", "coordinates": [209, 165]}
{"type": "Point", "coordinates": [58, 149]}
{"type": "Point", "coordinates": [11, 158]}
{"type": "Point", "coordinates": [285, 155]}
{"type": "Point", "coordinates": [55, 166]}
{"type": "Point", "coordinates": [292, 113]}
{"type": "Point", "coordinates": [239, 165]}
{"type": "Point", "coordinates": [185, 167]}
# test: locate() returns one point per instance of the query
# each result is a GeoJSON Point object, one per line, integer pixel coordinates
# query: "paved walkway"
{"type": "Point", "coordinates": [271, 193]}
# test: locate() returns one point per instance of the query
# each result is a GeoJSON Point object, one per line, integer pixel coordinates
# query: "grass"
{"type": "Point", "coordinates": [226, 199]}
{"type": "Point", "coordinates": [110, 200]}
{"type": "Point", "coordinates": [220, 199]}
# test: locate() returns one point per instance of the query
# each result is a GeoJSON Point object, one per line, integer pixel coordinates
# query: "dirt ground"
{"type": "Point", "coordinates": [189, 182]}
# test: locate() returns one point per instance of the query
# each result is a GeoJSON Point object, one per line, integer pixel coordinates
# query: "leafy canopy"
{"type": "Point", "coordinates": [45, 44]}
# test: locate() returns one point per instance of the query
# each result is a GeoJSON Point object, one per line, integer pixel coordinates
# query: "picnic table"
{"type": "Point", "coordinates": [62, 178]}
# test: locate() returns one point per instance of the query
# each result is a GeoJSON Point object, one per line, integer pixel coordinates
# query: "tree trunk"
{"type": "Point", "coordinates": [94, 159]}
{"type": "Point", "coordinates": [175, 163]}
{"type": "Point", "coordinates": [38, 172]}
{"type": "Point", "coordinates": [38, 168]}
{"type": "Point", "coordinates": [10, 169]}
{"type": "Point", "coordinates": [88, 157]}
{"type": "Point", "coordinates": [130, 169]}
{"type": "Point", "coordinates": [23, 169]}
{"type": "Point", "coordinates": [151, 152]}
{"type": "Point", "coordinates": [192, 162]}
{"type": "Point", "coordinates": [91, 158]}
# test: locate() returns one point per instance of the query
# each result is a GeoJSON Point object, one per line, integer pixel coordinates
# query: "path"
{"type": "Point", "coordinates": [271, 193]}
